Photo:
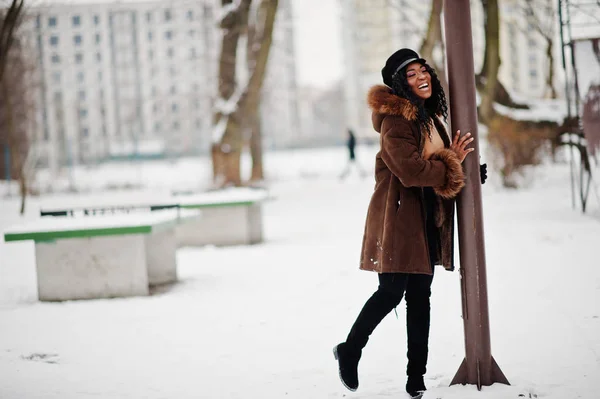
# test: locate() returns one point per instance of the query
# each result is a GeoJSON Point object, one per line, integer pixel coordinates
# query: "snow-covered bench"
{"type": "Point", "coordinates": [227, 217]}
{"type": "Point", "coordinates": [101, 257]}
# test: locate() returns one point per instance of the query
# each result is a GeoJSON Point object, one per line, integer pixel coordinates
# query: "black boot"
{"type": "Point", "coordinates": [418, 291]}
{"type": "Point", "coordinates": [415, 386]}
{"type": "Point", "coordinates": [348, 353]}
{"type": "Point", "coordinates": [348, 365]}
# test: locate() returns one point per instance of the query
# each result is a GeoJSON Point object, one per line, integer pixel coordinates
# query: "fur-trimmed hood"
{"type": "Point", "coordinates": [383, 101]}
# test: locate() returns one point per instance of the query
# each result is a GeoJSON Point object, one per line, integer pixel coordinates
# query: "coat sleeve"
{"type": "Point", "coordinates": [400, 152]}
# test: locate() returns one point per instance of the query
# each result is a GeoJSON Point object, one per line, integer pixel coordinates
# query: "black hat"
{"type": "Point", "coordinates": [397, 61]}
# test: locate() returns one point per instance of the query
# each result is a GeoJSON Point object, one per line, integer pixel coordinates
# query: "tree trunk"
{"type": "Point", "coordinates": [550, 75]}
{"type": "Point", "coordinates": [17, 161]}
{"type": "Point", "coordinates": [484, 66]}
{"type": "Point", "coordinates": [10, 19]}
{"type": "Point", "coordinates": [256, 150]}
{"type": "Point", "coordinates": [433, 30]}
{"type": "Point", "coordinates": [233, 25]}
{"type": "Point", "coordinates": [492, 55]}
{"type": "Point", "coordinates": [259, 59]}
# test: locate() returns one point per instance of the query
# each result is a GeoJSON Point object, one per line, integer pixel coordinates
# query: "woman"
{"type": "Point", "coordinates": [410, 220]}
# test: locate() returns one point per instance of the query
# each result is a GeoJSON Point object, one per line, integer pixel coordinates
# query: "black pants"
{"type": "Point", "coordinates": [416, 289]}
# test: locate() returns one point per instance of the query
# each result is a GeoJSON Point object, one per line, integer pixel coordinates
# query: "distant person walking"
{"type": "Point", "coordinates": [410, 221]}
{"type": "Point", "coordinates": [352, 162]}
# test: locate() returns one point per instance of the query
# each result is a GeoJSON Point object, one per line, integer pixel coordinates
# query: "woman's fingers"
{"type": "Point", "coordinates": [456, 137]}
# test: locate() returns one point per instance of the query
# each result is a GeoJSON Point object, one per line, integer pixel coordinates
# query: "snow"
{"type": "Point", "coordinates": [226, 196]}
{"type": "Point", "coordinates": [227, 10]}
{"type": "Point", "coordinates": [539, 110]}
{"type": "Point", "coordinates": [219, 129]}
{"type": "Point", "coordinates": [63, 223]}
{"type": "Point", "coordinates": [260, 321]}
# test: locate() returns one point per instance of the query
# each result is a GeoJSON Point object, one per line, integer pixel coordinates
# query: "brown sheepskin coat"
{"type": "Point", "coordinates": [395, 238]}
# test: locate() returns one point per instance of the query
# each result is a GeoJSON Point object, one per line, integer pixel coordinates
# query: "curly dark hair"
{"type": "Point", "coordinates": [426, 110]}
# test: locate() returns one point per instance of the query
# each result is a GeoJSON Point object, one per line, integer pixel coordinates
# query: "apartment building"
{"type": "Point", "coordinates": [138, 77]}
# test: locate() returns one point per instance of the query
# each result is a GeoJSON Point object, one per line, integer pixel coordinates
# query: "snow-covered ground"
{"type": "Point", "coordinates": [260, 321]}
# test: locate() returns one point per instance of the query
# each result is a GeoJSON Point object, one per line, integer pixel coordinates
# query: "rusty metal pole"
{"type": "Point", "coordinates": [479, 367]}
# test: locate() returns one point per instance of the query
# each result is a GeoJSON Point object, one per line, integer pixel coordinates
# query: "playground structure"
{"type": "Point", "coordinates": [580, 49]}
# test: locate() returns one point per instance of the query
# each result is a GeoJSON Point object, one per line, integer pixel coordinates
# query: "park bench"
{"type": "Point", "coordinates": [227, 217]}
{"type": "Point", "coordinates": [102, 256]}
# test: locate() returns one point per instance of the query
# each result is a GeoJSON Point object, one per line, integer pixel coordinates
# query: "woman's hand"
{"type": "Point", "coordinates": [459, 145]}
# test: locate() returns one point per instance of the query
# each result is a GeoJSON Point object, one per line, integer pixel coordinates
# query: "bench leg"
{"type": "Point", "coordinates": [89, 268]}
{"type": "Point", "coordinates": [160, 253]}
{"type": "Point", "coordinates": [228, 225]}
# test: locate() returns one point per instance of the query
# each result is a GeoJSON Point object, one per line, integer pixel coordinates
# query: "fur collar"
{"type": "Point", "coordinates": [382, 101]}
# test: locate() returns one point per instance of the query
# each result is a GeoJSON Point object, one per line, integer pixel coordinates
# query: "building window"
{"type": "Point", "coordinates": [57, 96]}
{"type": "Point", "coordinates": [174, 107]}
{"type": "Point", "coordinates": [193, 53]}
{"type": "Point", "coordinates": [153, 91]}
{"type": "Point", "coordinates": [157, 126]}
{"type": "Point", "coordinates": [85, 132]}
{"type": "Point", "coordinates": [100, 76]}
{"type": "Point", "coordinates": [81, 95]}
{"type": "Point", "coordinates": [55, 59]}
{"type": "Point", "coordinates": [168, 15]}
{"type": "Point", "coordinates": [149, 16]}
{"type": "Point", "coordinates": [533, 73]}
{"type": "Point", "coordinates": [77, 40]}
{"type": "Point", "coordinates": [192, 33]}
{"type": "Point", "coordinates": [175, 125]}
{"type": "Point", "coordinates": [76, 20]}
{"type": "Point", "coordinates": [168, 35]}
{"type": "Point", "coordinates": [97, 38]}
{"type": "Point", "coordinates": [96, 19]}
{"type": "Point", "coordinates": [190, 15]}
{"type": "Point", "coordinates": [82, 112]}
{"type": "Point", "coordinates": [150, 54]}
{"type": "Point", "coordinates": [172, 71]}
{"type": "Point", "coordinates": [54, 40]}
{"type": "Point", "coordinates": [173, 89]}
{"type": "Point", "coordinates": [52, 21]}
{"type": "Point", "coordinates": [56, 77]}
{"type": "Point", "coordinates": [98, 57]}
{"type": "Point", "coordinates": [102, 96]}
{"type": "Point", "coordinates": [150, 36]}
{"type": "Point", "coordinates": [78, 58]}
{"type": "Point", "coordinates": [80, 77]}
{"type": "Point", "coordinates": [170, 52]}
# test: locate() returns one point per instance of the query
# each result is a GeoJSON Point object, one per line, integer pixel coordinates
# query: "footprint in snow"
{"type": "Point", "coordinates": [50, 358]}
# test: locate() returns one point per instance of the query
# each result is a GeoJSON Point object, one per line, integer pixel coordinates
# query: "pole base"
{"type": "Point", "coordinates": [462, 376]}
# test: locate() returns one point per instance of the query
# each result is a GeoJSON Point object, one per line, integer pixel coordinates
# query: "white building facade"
{"type": "Point", "coordinates": [138, 77]}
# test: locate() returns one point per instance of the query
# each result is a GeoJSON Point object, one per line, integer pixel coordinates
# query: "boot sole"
{"type": "Point", "coordinates": [335, 355]}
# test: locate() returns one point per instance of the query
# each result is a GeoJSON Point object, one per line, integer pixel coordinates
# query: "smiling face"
{"type": "Point", "coordinates": [419, 80]}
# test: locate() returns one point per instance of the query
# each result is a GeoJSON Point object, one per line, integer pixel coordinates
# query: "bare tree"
{"type": "Point", "coordinates": [16, 105]}
{"type": "Point", "coordinates": [260, 39]}
{"type": "Point", "coordinates": [433, 38]}
{"type": "Point", "coordinates": [541, 18]}
{"type": "Point", "coordinates": [491, 63]}
{"type": "Point", "coordinates": [237, 108]}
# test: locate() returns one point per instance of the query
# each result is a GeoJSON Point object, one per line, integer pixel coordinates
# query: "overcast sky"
{"type": "Point", "coordinates": [318, 41]}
